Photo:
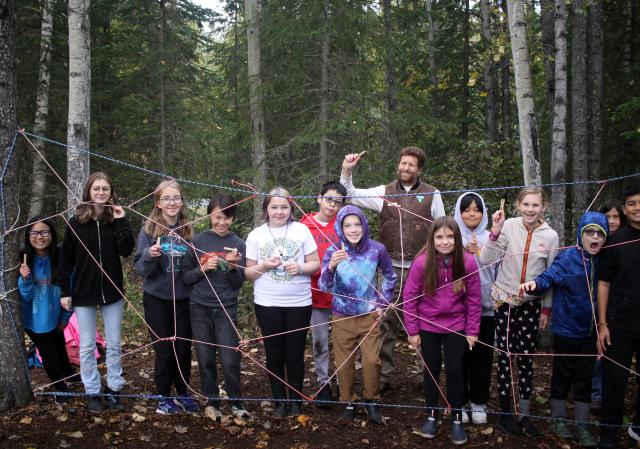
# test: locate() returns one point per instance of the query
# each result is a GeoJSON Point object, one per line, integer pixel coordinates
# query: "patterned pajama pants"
{"type": "Point", "coordinates": [516, 329]}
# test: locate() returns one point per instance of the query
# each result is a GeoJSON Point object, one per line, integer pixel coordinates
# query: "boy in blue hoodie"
{"type": "Point", "coordinates": [349, 272]}
{"type": "Point", "coordinates": [573, 277]}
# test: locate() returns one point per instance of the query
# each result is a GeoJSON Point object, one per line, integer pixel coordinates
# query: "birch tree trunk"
{"type": "Point", "coordinates": [596, 64]}
{"type": "Point", "coordinates": [505, 75]}
{"type": "Point", "coordinates": [79, 120]}
{"type": "Point", "coordinates": [14, 380]}
{"type": "Point", "coordinates": [464, 125]}
{"type": "Point", "coordinates": [163, 127]}
{"type": "Point", "coordinates": [324, 92]}
{"type": "Point", "coordinates": [579, 109]}
{"type": "Point", "coordinates": [559, 121]}
{"type": "Point", "coordinates": [547, 14]}
{"type": "Point", "coordinates": [524, 93]}
{"type": "Point", "coordinates": [253, 10]}
{"type": "Point", "coordinates": [490, 106]}
{"type": "Point", "coordinates": [38, 170]}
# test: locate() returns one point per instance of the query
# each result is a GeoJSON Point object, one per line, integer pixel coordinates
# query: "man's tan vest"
{"type": "Point", "coordinates": [414, 228]}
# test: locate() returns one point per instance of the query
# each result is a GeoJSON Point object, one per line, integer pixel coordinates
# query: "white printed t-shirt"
{"type": "Point", "coordinates": [276, 287]}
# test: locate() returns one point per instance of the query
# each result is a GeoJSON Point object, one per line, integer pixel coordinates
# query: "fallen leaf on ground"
{"type": "Point", "coordinates": [26, 420]}
{"type": "Point", "coordinates": [137, 417]}
{"type": "Point", "coordinates": [240, 421]}
{"type": "Point", "coordinates": [64, 443]}
{"type": "Point", "coordinates": [76, 434]}
{"type": "Point", "coordinates": [234, 430]}
{"type": "Point", "coordinates": [181, 429]}
{"type": "Point", "coordinates": [145, 438]}
{"type": "Point", "coordinates": [304, 420]}
{"type": "Point", "coordinates": [62, 418]}
{"type": "Point", "coordinates": [140, 408]}
{"type": "Point", "coordinates": [266, 425]}
{"type": "Point", "coordinates": [487, 431]}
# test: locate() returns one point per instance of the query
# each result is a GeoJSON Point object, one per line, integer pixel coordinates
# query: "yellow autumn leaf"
{"type": "Point", "coordinates": [26, 420]}
{"type": "Point", "coordinates": [304, 420]}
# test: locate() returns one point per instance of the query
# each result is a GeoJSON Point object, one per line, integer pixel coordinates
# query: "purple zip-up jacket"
{"type": "Point", "coordinates": [445, 311]}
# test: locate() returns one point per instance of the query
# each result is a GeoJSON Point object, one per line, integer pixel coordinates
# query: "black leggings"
{"type": "Point", "coordinates": [53, 352]}
{"type": "Point", "coordinates": [432, 345]}
{"type": "Point", "coordinates": [286, 350]}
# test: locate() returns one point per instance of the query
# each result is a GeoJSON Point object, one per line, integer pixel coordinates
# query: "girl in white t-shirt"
{"type": "Point", "coordinates": [281, 256]}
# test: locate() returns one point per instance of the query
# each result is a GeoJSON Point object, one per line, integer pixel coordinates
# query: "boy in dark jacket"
{"type": "Point", "coordinates": [573, 276]}
{"type": "Point", "coordinates": [214, 272]}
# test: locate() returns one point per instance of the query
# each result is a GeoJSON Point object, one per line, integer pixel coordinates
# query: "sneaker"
{"type": "Point", "coordinates": [212, 412]}
{"type": "Point", "coordinates": [94, 404]}
{"type": "Point", "coordinates": [559, 427]}
{"type": "Point", "coordinates": [465, 416]}
{"type": "Point", "coordinates": [585, 437]}
{"type": "Point", "coordinates": [294, 409]}
{"type": "Point", "coordinates": [239, 412]}
{"type": "Point", "coordinates": [429, 427]}
{"type": "Point", "coordinates": [633, 433]}
{"type": "Point", "coordinates": [280, 411]}
{"type": "Point", "coordinates": [478, 414]}
{"type": "Point", "coordinates": [325, 394]}
{"type": "Point", "coordinates": [458, 435]}
{"type": "Point", "coordinates": [349, 412]}
{"type": "Point", "coordinates": [112, 399]}
{"type": "Point", "coordinates": [373, 411]}
{"type": "Point", "coordinates": [187, 404]}
{"type": "Point", "coordinates": [167, 407]}
{"type": "Point", "coordinates": [509, 425]}
{"type": "Point", "coordinates": [528, 427]}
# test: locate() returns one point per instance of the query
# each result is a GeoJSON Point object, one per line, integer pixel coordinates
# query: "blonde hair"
{"type": "Point", "coordinates": [155, 226]}
{"type": "Point", "coordinates": [533, 191]}
{"type": "Point", "coordinates": [280, 192]}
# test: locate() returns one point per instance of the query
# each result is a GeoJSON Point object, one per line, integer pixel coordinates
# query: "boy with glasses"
{"type": "Point", "coordinates": [321, 223]}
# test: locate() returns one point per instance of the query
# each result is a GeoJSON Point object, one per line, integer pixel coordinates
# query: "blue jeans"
{"type": "Point", "coordinates": [212, 325]}
{"type": "Point", "coordinates": [112, 318]}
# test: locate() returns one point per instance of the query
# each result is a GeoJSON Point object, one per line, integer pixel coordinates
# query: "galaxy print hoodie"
{"type": "Point", "coordinates": [353, 283]}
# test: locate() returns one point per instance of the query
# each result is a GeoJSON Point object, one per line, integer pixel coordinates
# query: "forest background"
{"type": "Point", "coordinates": [277, 92]}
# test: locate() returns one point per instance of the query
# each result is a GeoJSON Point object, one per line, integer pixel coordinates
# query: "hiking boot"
{"type": "Point", "coordinates": [112, 399]}
{"type": "Point", "coordinates": [509, 425]}
{"type": "Point", "coordinates": [372, 410]}
{"type": "Point", "coordinates": [324, 397]}
{"type": "Point", "coordinates": [585, 437]}
{"type": "Point", "coordinates": [280, 411]}
{"type": "Point", "coordinates": [478, 413]}
{"type": "Point", "coordinates": [458, 435]}
{"type": "Point", "coordinates": [634, 433]}
{"type": "Point", "coordinates": [560, 428]}
{"type": "Point", "coordinates": [94, 404]}
{"type": "Point", "coordinates": [239, 412]}
{"type": "Point", "coordinates": [528, 427]}
{"type": "Point", "coordinates": [186, 403]}
{"type": "Point", "coordinates": [429, 427]}
{"type": "Point", "coordinates": [294, 408]}
{"type": "Point", "coordinates": [465, 415]}
{"type": "Point", "coordinates": [167, 407]}
{"type": "Point", "coordinates": [349, 412]}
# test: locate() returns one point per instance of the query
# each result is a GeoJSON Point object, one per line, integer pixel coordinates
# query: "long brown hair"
{"type": "Point", "coordinates": [155, 226]}
{"type": "Point", "coordinates": [276, 192]}
{"type": "Point", "coordinates": [457, 257]}
{"type": "Point", "coordinates": [84, 210]}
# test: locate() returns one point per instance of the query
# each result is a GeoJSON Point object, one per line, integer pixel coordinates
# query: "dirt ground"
{"type": "Point", "coordinates": [44, 424]}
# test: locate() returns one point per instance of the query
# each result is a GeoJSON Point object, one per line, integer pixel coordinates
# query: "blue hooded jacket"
{"type": "Point", "coordinates": [353, 283]}
{"type": "Point", "coordinates": [573, 305]}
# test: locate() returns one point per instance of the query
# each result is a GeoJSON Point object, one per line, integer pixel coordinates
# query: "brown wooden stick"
{"type": "Point", "coordinates": [502, 205]}
{"type": "Point", "coordinates": [361, 154]}
{"type": "Point", "coordinates": [158, 241]}
{"type": "Point", "coordinates": [230, 249]}
{"type": "Point", "coordinates": [25, 258]}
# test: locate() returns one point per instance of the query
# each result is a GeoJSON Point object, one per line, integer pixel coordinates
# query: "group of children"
{"type": "Point", "coordinates": [468, 290]}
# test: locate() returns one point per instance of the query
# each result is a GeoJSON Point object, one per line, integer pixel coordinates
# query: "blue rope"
{"type": "Point", "coordinates": [3, 287]}
{"type": "Point", "coordinates": [315, 401]}
{"type": "Point", "coordinates": [216, 186]}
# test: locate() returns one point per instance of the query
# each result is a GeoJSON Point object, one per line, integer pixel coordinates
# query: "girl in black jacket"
{"type": "Point", "coordinates": [90, 276]}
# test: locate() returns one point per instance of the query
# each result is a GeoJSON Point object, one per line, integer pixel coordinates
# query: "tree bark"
{"type": "Point", "coordinates": [559, 120]}
{"type": "Point", "coordinates": [627, 46]}
{"type": "Point", "coordinates": [79, 120]}
{"type": "Point", "coordinates": [38, 170]}
{"type": "Point", "coordinates": [579, 110]}
{"type": "Point", "coordinates": [163, 126]}
{"type": "Point", "coordinates": [464, 125]}
{"type": "Point", "coordinates": [324, 92]}
{"type": "Point", "coordinates": [259, 148]}
{"type": "Point", "coordinates": [390, 75]}
{"type": "Point", "coordinates": [505, 74]}
{"type": "Point", "coordinates": [524, 93]}
{"type": "Point", "coordinates": [431, 37]}
{"type": "Point", "coordinates": [547, 14]}
{"type": "Point", "coordinates": [14, 379]}
{"type": "Point", "coordinates": [490, 106]}
{"type": "Point", "coordinates": [596, 62]}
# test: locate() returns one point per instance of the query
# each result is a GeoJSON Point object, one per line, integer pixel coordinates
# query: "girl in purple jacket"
{"type": "Point", "coordinates": [442, 309]}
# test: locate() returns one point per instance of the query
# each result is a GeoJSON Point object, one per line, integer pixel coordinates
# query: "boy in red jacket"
{"type": "Point", "coordinates": [330, 200]}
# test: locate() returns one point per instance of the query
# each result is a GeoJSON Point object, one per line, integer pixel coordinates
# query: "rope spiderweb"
{"type": "Point", "coordinates": [247, 346]}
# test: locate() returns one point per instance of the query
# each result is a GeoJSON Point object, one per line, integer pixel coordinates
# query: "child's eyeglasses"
{"type": "Point", "coordinates": [334, 201]}
{"type": "Point", "coordinates": [594, 232]}
{"type": "Point", "coordinates": [168, 200]}
{"type": "Point", "coordinates": [35, 234]}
